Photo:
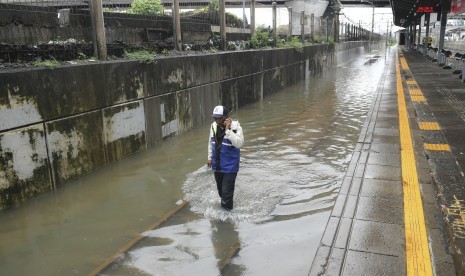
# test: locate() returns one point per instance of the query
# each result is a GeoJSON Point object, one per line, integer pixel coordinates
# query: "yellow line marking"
{"type": "Point", "coordinates": [429, 126]}
{"type": "Point", "coordinates": [418, 99]}
{"type": "Point", "coordinates": [418, 258]}
{"type": "Point", "coordinates": [411, 82]}
{"type": "Point", "coordinates": [437, 147]}
{"type": "Point", "coordinates": [415, 92]}
{"type": "Point", "coordinates": [404, 64]}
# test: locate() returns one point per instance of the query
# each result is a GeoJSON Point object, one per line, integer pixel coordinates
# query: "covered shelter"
{"type": "Point", "coordinates": [412, 13]}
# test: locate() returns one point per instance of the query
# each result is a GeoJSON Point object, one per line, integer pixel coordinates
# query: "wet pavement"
{"type": "Point", "coordinates": [444, 94]}
{"type": "Point", "coordinates": [377, 226]}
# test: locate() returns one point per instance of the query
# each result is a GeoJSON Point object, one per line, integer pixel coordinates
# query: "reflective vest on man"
{"type": "Point", "coordinates": [229, 155]}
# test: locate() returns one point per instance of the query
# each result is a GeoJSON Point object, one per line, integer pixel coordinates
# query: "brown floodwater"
{"type": "Point", "coordinates": [298, 144]}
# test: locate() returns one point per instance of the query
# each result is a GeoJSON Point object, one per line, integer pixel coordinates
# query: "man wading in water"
{"type": "Point", "coordinates": [226, 138]}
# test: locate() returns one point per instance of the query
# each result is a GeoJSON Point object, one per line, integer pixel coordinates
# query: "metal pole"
{"type": "Point", "coordinates": [419, 33]}
{"type": "Point", "coordinates": [445, 9]}
{"type": "Point", "coordinates": [407, 30]}
{"type": "Point", "coordinates": [387, 29]}
{"type": "Point", "coordinates": [327, 35]}
{"type": "Point", "coordinates": [244, 18]}
{"type": "Point", "coordinates": [372, 21]}
{"type": "Point", "coordinates": [100, 44]}
{"type": "Point", "coordinates": [414, 34]}
{"type": "Point", "coordinates": [312, 26]}
{"type": "Point", "coordinates": [347, 30]}
{"type": "Point", "coordinates": [336, 27]}
{"type": "Point", "coordinates": [302, 31]}
{"type": "Point", "coordinates": [177, 26]}
{"type": "Point", "coordinates": [252, 16]}
{"type": "Point", "coordinates": [427, 34]}
{"type": "Point", "coordinates": [354, 32]}
{"type": "Point", "coordinates": [351, 32]}
{"type": "Point", "coordinates": [290, 21]}
{"type": "Point", "coordinates": [275, 31]}
{"type": "Point", "coordinates": [222, 24]}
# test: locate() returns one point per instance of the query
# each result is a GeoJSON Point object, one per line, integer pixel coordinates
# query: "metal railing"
{"type": "Point", "coordinates": [63, 29]}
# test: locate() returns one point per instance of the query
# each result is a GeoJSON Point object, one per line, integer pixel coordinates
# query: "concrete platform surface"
{"type": "Point", "coordinates": [410, 154]}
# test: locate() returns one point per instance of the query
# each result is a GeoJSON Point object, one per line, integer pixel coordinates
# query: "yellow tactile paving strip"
{"type": "Point", "coordinates": [437, 147]}
{"type": "Point", "coordinates": [404, 64]}
{"type": "Point", "coordinates": [418, 258]}
{"type": "Point", "coordinates": [429, 126]}
{"type": "Point", "coordinates": [420, 99]}
{"type": "Point", "coordinates": [415, 91]}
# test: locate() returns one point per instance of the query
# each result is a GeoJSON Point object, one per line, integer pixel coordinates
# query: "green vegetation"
{"type": "Point", "coordinates": [213, 6]}
{"type": "Point", "coordinates": [143, 56]}
{"type": "Point", "coordinates": [147, 7]}
{"type": "Point", "coordinates": [50, 64]}
{"type": "Point", "coordinates": [392, 41]}
{"type": "Point", "coordinates": [297, 44]}
{"type": "Point", "coordinates": [82, 56]}
{"type": "Point", "coordinates": [331, 40]}
{"type": "Point", "coordinates": [317, 39]}
{"type": "Point", "coordinates": [259, 39]}
{"type": "Point", "coordinates": [291, 41]}
{"type": "Point", "coordinates": [165, 52]}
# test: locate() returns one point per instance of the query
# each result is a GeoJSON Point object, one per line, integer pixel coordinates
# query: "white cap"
{"type": "Point", "coordinates": [220, 111]}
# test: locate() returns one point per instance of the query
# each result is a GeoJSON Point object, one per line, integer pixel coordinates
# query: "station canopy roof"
{"type": "Point", "coordinates": [407, 12]}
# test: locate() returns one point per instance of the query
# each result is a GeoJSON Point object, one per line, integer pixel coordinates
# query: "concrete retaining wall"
{"type": "Point", "coordinates": [56, 125]}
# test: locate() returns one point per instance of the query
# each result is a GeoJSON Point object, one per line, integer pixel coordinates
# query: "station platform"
{"type": "Point", "coordinates": [400, 209]}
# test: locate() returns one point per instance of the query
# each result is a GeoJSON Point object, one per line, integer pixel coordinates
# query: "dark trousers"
{"type": "Point", "coordinates": [225, 183]}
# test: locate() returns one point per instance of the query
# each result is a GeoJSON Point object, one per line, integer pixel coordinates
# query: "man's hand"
{"type": "Point", "coordinates": [209, 163]}
{"type": "Point", "coordinates": [227, 123]}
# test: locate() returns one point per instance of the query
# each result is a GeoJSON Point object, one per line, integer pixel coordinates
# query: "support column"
{"type": "Point", "coordinates": [347, 34]}
{"type": "Point", "coordinates": [372, 22]}
{"type": "Point", "coordinates": [444, 11]}
{"type": "Point", "coordinates": [222, 24]}
{"type": "Point", "coordinates": [427, 34]}
{"type": "Point", "coordinates": [336, 27]}
{"type": "Point", "coordinates": [290, 21]}
{"type": "Point", "coordinates": [275, 31]}
{"type": "Point", "coordinates": [414, 35]}
{"type": "Point", "coordinates": [99, 40]}
{"type": "Point", "coordinates": [408, 30]}
{"type": "Point", "coordinates": [177, 26]}
{"type": "Point", "coordinates": [312, 26]}
{"type": "Point", "coordinates": [252, 16]}
{"type": "Point", "coordinates": [302, 30]}
{"type": "Point", "coordinates": [419, 34]}
{"type": "Point", "coordinates": [327, 30]}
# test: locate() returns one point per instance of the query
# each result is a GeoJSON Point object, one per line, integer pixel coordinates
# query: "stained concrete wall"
{"type": "Point", "coordinates": [56, 125]}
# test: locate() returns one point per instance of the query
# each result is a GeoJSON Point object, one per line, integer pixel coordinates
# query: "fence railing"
{"type": "Point", "coordinates": [63, 29]}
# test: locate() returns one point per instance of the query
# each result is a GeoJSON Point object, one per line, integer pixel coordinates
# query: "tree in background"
{"type": "Point", "coordinates": [148, 7]}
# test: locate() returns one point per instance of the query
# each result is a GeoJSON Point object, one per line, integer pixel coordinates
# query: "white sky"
{"type": "Point", "coordinates": [383, 17]}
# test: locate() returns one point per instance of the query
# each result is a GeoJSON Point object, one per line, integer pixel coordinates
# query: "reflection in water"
{"type": "Point", "coordinates": [227, 244]}
{"type": "Point", "coordinates": [180, 249]}
{"type": "Point", "coordinates": [298, 145]}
